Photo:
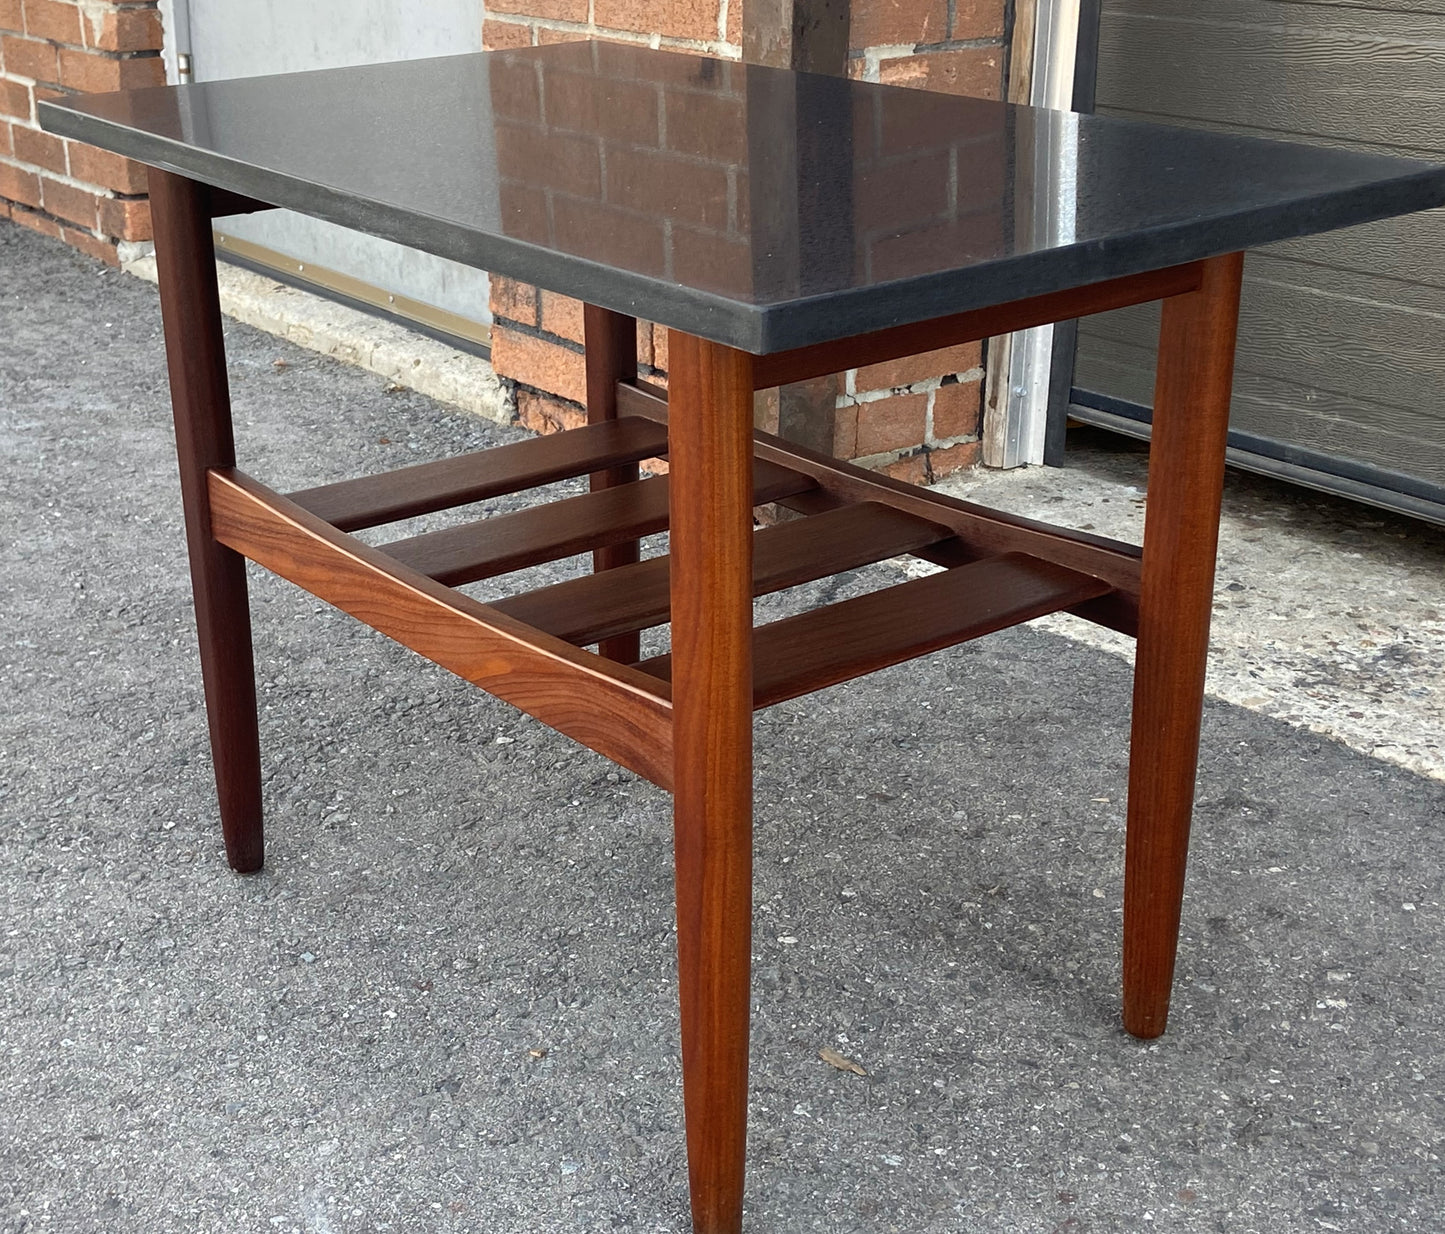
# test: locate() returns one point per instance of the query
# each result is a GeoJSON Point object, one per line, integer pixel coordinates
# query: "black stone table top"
{"type": "Point", "coordinates": [755, 207]}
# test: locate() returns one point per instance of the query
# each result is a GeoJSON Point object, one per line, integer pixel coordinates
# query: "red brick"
{"type": "Point", "coordinates": [95, 73]}
{"type": "Point", "coordinates": [524, 212]}
{"type": "Point", "coordinates": [975, 71]}
{"type": "Point", "coordinates": [30, 58]}
{"type": "Point", "coordinates": [14, 100]}
{"type": "Point", "coordinates": [546, 36]}
{"type": "Point", "coordinates": [659, 348]}
{"type": "Point", "coordinates": [72, 204]}
{"type": "Point", "coordinates": [501, 35]}
{"type": "Point", "coordinates": [905, 371]}
{"type": "Point", "coordinates": [929, 248]}
{"type": "Point", "coordinates": [644, 344]}
{"type": "Point", "coordinates": [36, 222]}
{"type": "Point", "coordinates": [845, 432]}
{"type": "Point", "coordinates": [39, 149]}
{"type": "Point", "coordinates": [515, 93]}
{"type": "Point", "coordinates": [50, 19]}
{"type": "Point", "coordinates": [617, 110]}
{"type": "Point", "coordinates": [894, 423]}
{"type": "Point", "coordinates": [539, 363]}
{"type": "Point", "coordinates": [954, 458]}
{"type": "Point", "coordinates": [958, 409]}
{"type": "Point", "coordinates": [562, 316]}
{"type": "Point", "coordinates": [631, 241]}
{"type": "Point", "coordinates": [711, 261]}
{"type": "Point", "coordinates": [879, 206]}
{"type": "Point", "coordinates": [108, 170]}
{"type": "Point", "coordinates": [706, 124]}
{"type": "Point", "coordinates": [683, 19]}
{"type": "Point", "coordinates": [734, 33]}
{"type": "Point", "coordinates": [977, 19]}
{"type": "Point", "coordinates": [19, 185]}
{"type": "Point", "coordinates": [878, 23]}
{"type": "Point", "coordinates": [126, 218]}
{"type": "Point", "coordinates": [549, 160]}
{"type": "Point", "coordinates": [911, 470]}
{"type": "Point", "coordinates": [514, 301]}
{"type": "Point", "coordinates": [543, 414]}
{"type": "Point", "coordinates": [6, 146]}
{"type": "Point", "coordinates": [11, 21]}
{"type": "Point", "coordinates": [767, 410]}
{"type": "Point", "coordinates": [94, 246]}
{"type": "Point", "coordinates": [685, 191]}
{"type": "Point", "coordinates": [546, 10]}
{"type": "Point", "coordinates": [4, 209]}
{"type": "Point", "coordinates": [129, 30]}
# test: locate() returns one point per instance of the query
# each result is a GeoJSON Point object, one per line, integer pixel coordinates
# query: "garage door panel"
{"type": "Point", "coordinates": [1410, 249]}
{"type": "Point", "coordinates": [1308, 77]}
{"type": "Point", "coordinates": [1342, 336]}
{"type": "Point", "coordinates": [1342, 344]}
{"type": "Point", "coordinates": [1400, 438]}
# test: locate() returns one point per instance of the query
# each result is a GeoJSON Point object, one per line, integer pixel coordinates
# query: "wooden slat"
{"type": "Point", "coordinates": [561, 528]}
{"type": "Point", "coordinates": [598, 606]}
{"type": "Point", "coordinates": [854, 637]}
{"type": "Point", "coordinates": [804, 362]}
{"type": "Point", "coordinates": [371, 500]}
{"type": "Point", "coordinates": [979, 531]}
{"type": "Point", "coordinates": [611, 708]}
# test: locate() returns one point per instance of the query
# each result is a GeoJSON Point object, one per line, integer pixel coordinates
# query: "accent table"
{"type": "Point", "coordinates": [781, 226]}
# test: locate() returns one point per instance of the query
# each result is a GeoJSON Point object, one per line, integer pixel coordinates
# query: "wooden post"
{"type": "Point", "coordinates": [201, 400]}
{"type": "Point", "coordinates": [1181, 532]}
{"type": "Point", "coordinates": [711, 478]}
{"type": "Point", "coordinates": [611, 342]}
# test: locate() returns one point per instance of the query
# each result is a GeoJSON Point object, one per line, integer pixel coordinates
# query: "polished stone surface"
{"type": "Point", "coordinates": [756, 207]}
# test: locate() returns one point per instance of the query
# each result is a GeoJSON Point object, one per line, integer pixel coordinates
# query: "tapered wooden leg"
{"type": "Point", "coordinates": [611, 341]}
{"type": "Point", "coordinates": [710, 445]}
{"type": "Point", "coordinates": [200, 397]}
{"type": "Point", "coordinates": [1181, 532]}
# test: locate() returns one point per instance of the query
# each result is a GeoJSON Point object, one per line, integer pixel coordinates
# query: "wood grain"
{"type": "Point", "coordinates": [582, 610]}
{"type": "Point", "coordinates": [560, 529]}
{"type": "Point", "coordinates": [834, 357]}
{"type": "Point", "coordinates": [611, 347]}
{"type": "Point", "coordinates": [369, 501]}
{"type": "Point", "coordinates": [855, 637]}
{"type": "Point", "coordinates": [980, 531]}
{"type": "Point", "coordinates": [1181, 532]}
{"type": "Point", "coordinates": [200, 398]}
{"type": "Point", "coordinates": [611, 708]}
{"type": "Point", "coordinates": [711, 452]}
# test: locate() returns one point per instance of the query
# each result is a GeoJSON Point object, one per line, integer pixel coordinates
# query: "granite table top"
{"type": "Point", "coordinates": [755, 207]}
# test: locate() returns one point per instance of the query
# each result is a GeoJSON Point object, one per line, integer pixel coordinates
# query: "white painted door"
{"type": "Point", "coordinates": [248, 38]}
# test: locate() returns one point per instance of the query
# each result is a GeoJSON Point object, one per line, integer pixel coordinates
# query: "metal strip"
{"type": "Point", "coordinates": [449, 327]}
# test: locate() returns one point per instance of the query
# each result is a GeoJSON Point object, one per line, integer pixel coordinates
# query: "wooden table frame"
{"type": "Point", "coordinates": [685, 721]}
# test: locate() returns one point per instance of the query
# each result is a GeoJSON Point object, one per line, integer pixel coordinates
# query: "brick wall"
{"type": "Point", "coordinates": [90, 198]}
{"type": "Point", "coordinates": [917, 419]}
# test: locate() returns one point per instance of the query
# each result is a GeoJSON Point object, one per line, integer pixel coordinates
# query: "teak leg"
{"type": "Point", "coordinates": [200, 397]}
{"type": "Point", "coordinates": [611, 342]}
{"type": "Point", "coordinates": [710, 447]}
{"type": "Point", "coordinates": [1181, 532]}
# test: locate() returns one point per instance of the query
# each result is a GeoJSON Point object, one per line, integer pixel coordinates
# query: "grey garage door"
{"type": "Point", "coordinates": [245, 38]}
{"type": "Point", "coordinates": [1341, 372]}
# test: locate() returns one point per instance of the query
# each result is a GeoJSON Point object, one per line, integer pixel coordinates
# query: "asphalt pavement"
{"type": "Point", "coordinates": [448, 1002]}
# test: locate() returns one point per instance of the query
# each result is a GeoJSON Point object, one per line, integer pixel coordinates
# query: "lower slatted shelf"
{"type": "Point", "coordinates": [391, 496]}
{"type": "Point", "coordinates": [563, 528]}
{"type": "Point", "coordinates": [854, 637]}
{"type": "Point", "coordinates": [619, 601]}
